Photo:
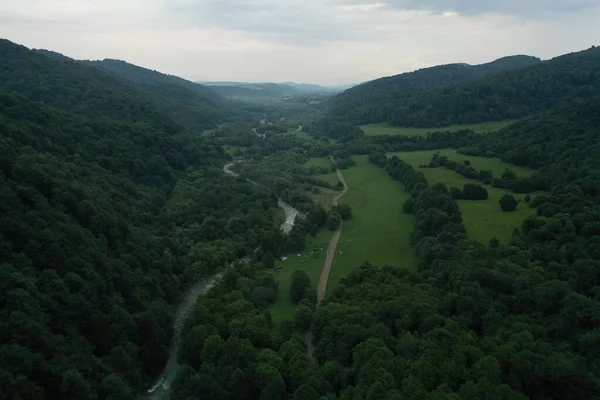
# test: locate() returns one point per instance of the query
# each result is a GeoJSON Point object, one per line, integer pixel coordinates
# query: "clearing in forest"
{"type": "Point", "coordinates": [483, 219]}
{"type": "Point", "coordinates": [378, 232]}
{"type": "Point", "coordinates": [310, 260]}
{"type": "Point", "coordinates": [387, 129]}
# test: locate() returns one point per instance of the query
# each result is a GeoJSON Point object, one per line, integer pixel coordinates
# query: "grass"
{"type": "Point", "coordinates": [378, 232]}
{"type": "Point", "coordinates": [483, 219]}
{"type": "Point", "coordinates": [496, 165]}
{"type": "Point", "coordinates": [387, 129]}
{"type": "Point", "coordinates": [325, 197]}
{"type": "Point", "coordinates": [312, 263]}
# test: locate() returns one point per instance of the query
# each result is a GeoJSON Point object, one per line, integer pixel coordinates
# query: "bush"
{"type": "Point", "coordinates": [508, 203]}
{"type": "Point", "coordinates": [474, 192]}
{"type": "Point", "coordinates": [455, 192]}
{"type": "Point", "coordinates": [409, 206]}
{"type": "Point", "coordinates": [333, 221]}
{"type": "Point", "coordinates": [343, 210]}
{"type": "Point", "coordinates": [300, 284]}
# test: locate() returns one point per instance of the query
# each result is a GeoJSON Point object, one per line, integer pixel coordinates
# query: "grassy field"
{"type": "Point", "coordinates": [483, 219]}
{"type": "Point", "coordinates": [378, 232]}
{"type": "Point", "coordinates": [387, 129]}
{"type": "Point", "coordinates": [496, 165]}
{"type": "Point", "coordinates": [325, 197]}
{"type": "Point", "coordinates": [311, 261]}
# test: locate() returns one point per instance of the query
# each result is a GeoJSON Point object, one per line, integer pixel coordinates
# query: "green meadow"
{"type": "Point", "coordinates": [378, 232]}
{"type": "Point", "coordinates": [311, 261]}
{"type": "Point", "coordinates": [483, 219]}
{"type": "Point", "coordinates": [387, 129]}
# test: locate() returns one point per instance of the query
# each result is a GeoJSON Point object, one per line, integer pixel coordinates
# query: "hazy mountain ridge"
{"type": "Point", "coordinates": [266, 90]}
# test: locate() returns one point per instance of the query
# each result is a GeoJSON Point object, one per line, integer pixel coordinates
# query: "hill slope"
{"type": "Point", "coordinates": [506, 95]}
{"type": "Point", "coordinates": [102, 199]}
{"type": "Point", "coordinates": [81, 89]}
{"type": "Point", "coordinates": [371, 95]}
{"type": "Point", "coordinates": [192, 105]}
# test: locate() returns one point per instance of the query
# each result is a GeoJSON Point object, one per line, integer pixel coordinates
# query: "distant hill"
{"type": "Point", "coordinates": [70, 85]}
{"type": "Point", "coordinates": [266, 90]}
{"type": "Point", "coordinates": [362, 102]}
{"type": "Point", "coordinates": [192, 105]}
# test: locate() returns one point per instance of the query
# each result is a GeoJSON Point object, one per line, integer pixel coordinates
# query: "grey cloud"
{"type": "Point", "coordinates": [513, 7]}
{"type": "Point", "coordinates": [290, 21]}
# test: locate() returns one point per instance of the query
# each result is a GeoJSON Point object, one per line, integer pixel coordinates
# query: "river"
{"type": "Point", "coordinates": [161, 389]}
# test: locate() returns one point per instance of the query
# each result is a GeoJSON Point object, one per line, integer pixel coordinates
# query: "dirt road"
{"type": "Point", "coordinates": [322, 288]}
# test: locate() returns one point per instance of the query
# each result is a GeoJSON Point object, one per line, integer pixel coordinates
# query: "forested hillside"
{"type": "Point", "coordinates": [190, 104]}
{"type": "Point", "coordinates": [109, 211]}
{"type": "Point", "coordinates": [380, 91]}
{"type": "Point", "coordinates": [505, 95]}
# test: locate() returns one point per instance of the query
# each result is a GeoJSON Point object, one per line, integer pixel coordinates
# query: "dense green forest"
{"type": "Point", "coordinates": [109, 212]}
{"type": "Point", "coordinates": [504, 95]}
{"type": "Point", "coordinates": [388, 89]}
{"type": "Point", "coordinates": [190, 104]}
{"type": "Point", "coordinates": [112, 206]}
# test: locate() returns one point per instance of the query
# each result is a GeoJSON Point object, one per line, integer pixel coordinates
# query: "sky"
{"type": "Point", "coordinates": [330, 42]}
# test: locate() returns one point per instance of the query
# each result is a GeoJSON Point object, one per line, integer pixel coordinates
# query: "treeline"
{"type": "Point", "coordinates": [508, 180]}
{"type": "Point", "coordinates": [505, 95]}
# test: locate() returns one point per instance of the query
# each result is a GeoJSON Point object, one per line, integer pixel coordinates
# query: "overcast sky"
{"type": "Point", "coordinates": [318, 41]}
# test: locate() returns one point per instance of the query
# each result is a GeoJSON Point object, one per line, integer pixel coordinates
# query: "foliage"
{"type": "Point", "coordinates": [370, 101]}
{"type": "Point", "coordinates": [194, 106]}
{"type": "Point", "coordinates": [108, 213]}
{"type": "Point", "coordinates": [508, 203]}
{"type": "Point", "coordinates": [504, 95]}
{"type": "Point", "coordinates": [300, 283]}
{"type": "Point", "coordinates": [344, 210]}
{"type": "Point", "coordinates": [334, 220]}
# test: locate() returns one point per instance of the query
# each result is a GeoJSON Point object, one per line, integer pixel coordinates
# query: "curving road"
{"type": "Point", "coordinates": [322, 288]}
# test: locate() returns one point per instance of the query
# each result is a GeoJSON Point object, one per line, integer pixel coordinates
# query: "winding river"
{"type": "Point", "coordinates": [161, 389]}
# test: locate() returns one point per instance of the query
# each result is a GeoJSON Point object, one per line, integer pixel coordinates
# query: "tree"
{"type": "Point", "coordinates": [344, 210]}
{"type": "Point", "coordinates": [306, 392]}
{"type": "Point", "coordinates": [408, 207]}
{"type": "Point", "coordinates": [334, 220]}
{"type": "Point", "coordinates": [456, 193]}
{"type": "Point", "coordinates": [303, 318]}
{"type": "Point", "coordinates": [299, 285]}
{"type": "Point", "coordinates": [474, 192]}
{"type": "Point", "coordinates": [508, 203]}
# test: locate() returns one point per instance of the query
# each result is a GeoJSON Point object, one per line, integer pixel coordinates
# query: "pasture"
{"type": "Point", "coordinates": [378, 232]}
{"type": "Point", "coordinates": [483, 219]}
{"type": "Point", "coordinates": [311, 261]}
{"type": "Point", "coordinates": [387, 129]}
